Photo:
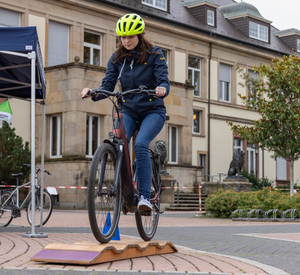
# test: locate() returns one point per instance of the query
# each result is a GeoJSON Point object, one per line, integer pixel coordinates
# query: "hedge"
{"type": "Point", "coordinates": [222, 204]}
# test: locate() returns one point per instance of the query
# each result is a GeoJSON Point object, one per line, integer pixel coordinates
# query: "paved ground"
{"type": "Point", "coordinates": [205, 246]}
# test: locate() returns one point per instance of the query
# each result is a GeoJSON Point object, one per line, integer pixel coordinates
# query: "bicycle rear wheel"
{"type": "Point", "coordinates": [6, 207]}
{"type": "Point", "coordinates": [147, 222]}
{"type": "Point", "coordinates": [47, 208]}
{"type": "Point", "coordinates": [104, 199]}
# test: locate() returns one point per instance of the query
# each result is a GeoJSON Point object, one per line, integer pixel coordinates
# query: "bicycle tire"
{"type": "Point", "coordinates": [147, 224]}
{"type": "Point", "coordinates": [47, 208]}
{"type": "Point", "coordinates": [6, 209]}
{"type": "Point", "coordinates": [105, 201]}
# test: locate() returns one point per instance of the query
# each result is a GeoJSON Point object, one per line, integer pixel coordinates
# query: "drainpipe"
{"type": "Point", "coordinates": [208, 112]}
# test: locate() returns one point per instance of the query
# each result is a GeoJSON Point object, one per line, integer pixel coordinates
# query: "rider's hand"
{"type": "Point", "coordinates": [84, 92]}
{"type": "Point", "coordinates": [160, 91]}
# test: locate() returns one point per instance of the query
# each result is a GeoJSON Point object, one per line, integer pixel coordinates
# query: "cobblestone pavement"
{"type": "Point", "coordinates": [205, 246]}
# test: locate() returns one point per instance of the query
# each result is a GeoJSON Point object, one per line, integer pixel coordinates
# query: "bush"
{"type": "Point", "coordinates": [257, 184]}
{"type": "Point", "coordinates": [222, 204]}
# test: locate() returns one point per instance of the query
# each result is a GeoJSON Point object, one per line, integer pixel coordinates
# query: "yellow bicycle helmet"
{"type": "Point", "coordinates": [130, 24]}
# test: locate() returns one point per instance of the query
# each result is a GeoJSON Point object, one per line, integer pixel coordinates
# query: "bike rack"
{"type": "Point", "coordinates": [258, 214]}
{"type": "Point", "coordinates": [285, 213]}
{"type": "Point", "coordinates": [242, 214]}
{"type": "Point", "coordinates": [293, 212]}
{"type": "Point", "coordinates": [269, 215]}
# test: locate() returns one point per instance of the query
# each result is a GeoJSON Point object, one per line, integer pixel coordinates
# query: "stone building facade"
{"type": "Point", "coordinates": [206, 43]}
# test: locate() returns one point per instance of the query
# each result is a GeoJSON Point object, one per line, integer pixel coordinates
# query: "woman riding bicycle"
{"type": "Point", "coordinates": [136, 62]}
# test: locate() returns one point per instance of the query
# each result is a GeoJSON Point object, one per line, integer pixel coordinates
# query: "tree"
{"type": "Point", "coordinates": [277, 100]}
{"type": "Point", "coordinates": [13, 154]}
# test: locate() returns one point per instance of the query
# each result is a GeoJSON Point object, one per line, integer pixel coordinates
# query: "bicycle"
{"type": "Point", "coordinates": [112, 182]}
{"type": "Point", "coordinates": [10, 207]}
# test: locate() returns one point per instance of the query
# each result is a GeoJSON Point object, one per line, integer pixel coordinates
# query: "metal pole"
{"type": "Point", "coordinates": [200, 202]}
{"type": "Point", "coordinates": [263, 168]}
{"type": "Point", "coordinates": [32, 57]}
{"type": "Point", "coordinates": [177, 192]}
{"type": "Point", "coordinates": [42, 161]}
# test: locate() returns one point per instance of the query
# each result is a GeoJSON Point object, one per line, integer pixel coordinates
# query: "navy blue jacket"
{"type": "Point", "coordinates": [153, 73]}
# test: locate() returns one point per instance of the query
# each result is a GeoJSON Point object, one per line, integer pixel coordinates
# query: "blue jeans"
{"type": "Point", "coordinates": [150, 126]}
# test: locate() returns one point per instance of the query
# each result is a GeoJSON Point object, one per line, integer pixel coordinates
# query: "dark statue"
{"type": "Point", "coordinates": [236, 165]}
{"type": "Point", "coordinates": [160, 148]}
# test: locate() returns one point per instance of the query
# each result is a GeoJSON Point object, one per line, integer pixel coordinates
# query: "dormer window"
{"type": "Point", "coordinates": [258, 31]}
{"type": "Point", "coordinates": [158, 4]}
{"type": "Point", "coordinates": [210, 18]}
{"type": "Point", "coordinates": [204, 10]}
{"type": "Point", "coordinates": [246, 18]}
{"type": "Point", "coordinates": [290, 37]}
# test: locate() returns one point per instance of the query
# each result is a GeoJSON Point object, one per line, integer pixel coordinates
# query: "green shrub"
{"type": "Point", "coordinates": [257, 184]}
{"type": "Point", "coordinates": [222, 204]}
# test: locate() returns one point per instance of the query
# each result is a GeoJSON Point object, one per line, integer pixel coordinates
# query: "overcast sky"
{"type": "Point", "coordinates": [284, 14]}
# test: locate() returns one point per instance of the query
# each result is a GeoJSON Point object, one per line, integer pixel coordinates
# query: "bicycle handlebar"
{"type": "Point", "coordinates": [37, 170]}
{"type": "Point", "coordinates": [140, 90]}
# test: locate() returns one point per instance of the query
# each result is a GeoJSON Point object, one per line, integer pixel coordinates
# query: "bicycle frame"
{"type": "Point", "coordinates": [118, 139]}
{"type": "Point", "coordinates": [16, 190]}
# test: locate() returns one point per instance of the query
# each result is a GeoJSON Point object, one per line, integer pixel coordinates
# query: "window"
{"type": "Point", "coordinates": [237, 144]}
{"type": "Point", "coordinates": [194, 69]}
{"type": "Point", "coordinates": [197, 122]}
{"type": "Point", "coordinates": [251, 158]}
{"type": "Point", "coordinates": [58, 43]}
{"type": "Point", "coordinates": [173, 144]}
{"type": "Point", "coordinates": [298, 45]}
{"type": "Point", "coordinates": [92, 134]}
{"type": "Point", "coordinates": [159, 4]}
{"type": "Point", "coordinates": [202, 163]}
{"type": "Point", "coordinates": [55, 136]}
{"type": "Point", "coordinates": [258, 31]}
{"type": "Point", "coordinates": [281, 169]}
{"type": "Point", "coordinates": [253, 77]}
{"type": "Point", "coordinates": [210, 17]}
{"type": "Point", "coordinates": [166, 54]}
{"type": "Point", "coordinates": [92, 48]}
{"type": "Point", "coordinates": [225, 82]}
{"type": "Point", "coordinates": [9, 18]}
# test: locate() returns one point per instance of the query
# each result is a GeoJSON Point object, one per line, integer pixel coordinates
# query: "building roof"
{"type": "Point", "coordinates": [288, 32]}
{"type": "Point", "coordinates": [241, 9]}
{"type": "Point", "coordinates": [179, 14]}
{"type": "Point", "coordinates": [195, 3]}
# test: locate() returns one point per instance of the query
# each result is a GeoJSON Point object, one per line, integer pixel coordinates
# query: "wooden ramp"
{"type": "Point", "coordinates": [92, 253]}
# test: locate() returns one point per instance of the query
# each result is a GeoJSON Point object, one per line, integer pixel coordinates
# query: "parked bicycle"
{"type": "Point", "coordinates": [10, 207]}
{"type": "Point", "coordinates": [112, 183]}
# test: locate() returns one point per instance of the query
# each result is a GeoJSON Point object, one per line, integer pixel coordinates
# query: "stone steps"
{"type": "Point", "coordinates": [187, 202]}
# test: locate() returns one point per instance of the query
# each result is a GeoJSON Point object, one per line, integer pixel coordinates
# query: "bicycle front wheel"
{"type": "Point", "coordinates": [147, 222]}
{"type": "Point", "coordinates": [6, 206]}
{"type": "Point", "coordinates": [104, 199]}
{"type": "Point", "coordinates": [47, 208]}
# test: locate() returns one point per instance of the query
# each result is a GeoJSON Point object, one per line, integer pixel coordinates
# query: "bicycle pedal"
{"type": "Point", "coordinates": [124, 210]}
{"type": "Point", "coordinates": [16, 213]}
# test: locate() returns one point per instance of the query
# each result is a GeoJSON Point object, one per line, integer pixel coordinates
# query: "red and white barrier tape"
{"type": "Point", "coordinates": [85, 187]}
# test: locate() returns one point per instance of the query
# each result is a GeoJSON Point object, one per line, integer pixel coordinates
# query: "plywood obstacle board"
{"type": "Point", "coordinates": [93, 253]}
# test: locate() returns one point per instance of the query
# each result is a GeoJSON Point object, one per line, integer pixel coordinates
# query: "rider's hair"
{"type": "Point", "coordinates": [143, 50]}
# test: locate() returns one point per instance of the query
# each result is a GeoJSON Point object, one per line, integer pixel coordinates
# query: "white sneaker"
{"type": "Point", "coordinates": [144, 205]}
